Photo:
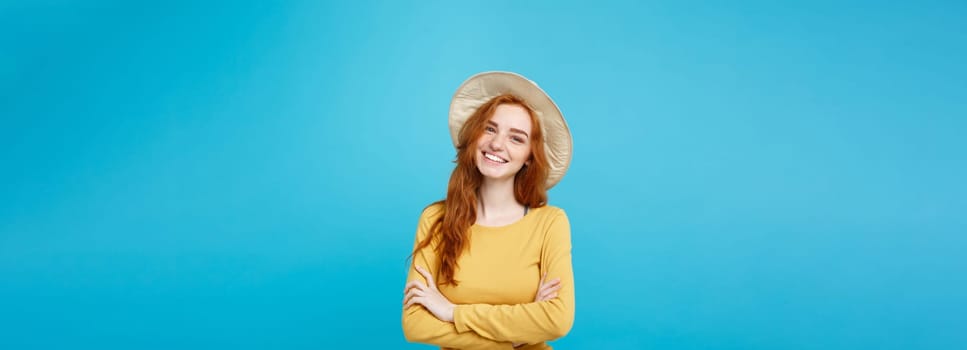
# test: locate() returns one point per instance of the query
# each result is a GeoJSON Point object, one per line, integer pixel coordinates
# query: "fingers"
{"type": "Point", "coordinates": [413, 301]}
{"type": "Point", "coordinates": [548, 290]}
{"type": "Point", "coordinates": [554, 283]}
{"type": "Point", "coordinates": [413, 289]}
{"type": "Point", "coordinates": [414, 284]}
{"type": "Point", "coordinates": [547, 294]}
{"type": "Point", "coordinates": [413, 294]}
{"type": "Point", "coordinates": [416, 292]}
{"type": "Point", "coordinates": [426, 274]}
{"type": "Point", "coordinates": [551, 283]}
{"type": "Point", "coordinates": [546, 297]}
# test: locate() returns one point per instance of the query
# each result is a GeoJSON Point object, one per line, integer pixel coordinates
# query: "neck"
{"type": "Point", "coordinates": [496, 198]}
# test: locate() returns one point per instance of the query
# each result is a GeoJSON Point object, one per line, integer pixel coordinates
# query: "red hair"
{"type": "Point", "coordinates": [452, 229]}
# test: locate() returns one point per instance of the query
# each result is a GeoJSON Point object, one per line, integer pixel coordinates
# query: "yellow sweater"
{"type": "Point", "coordinates": [498, 279]}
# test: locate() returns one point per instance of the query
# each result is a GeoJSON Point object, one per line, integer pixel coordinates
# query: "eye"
{"type": "Point", "coordinates": [491, 129]}
{"type": "Point", "coordinates": [517, 139]}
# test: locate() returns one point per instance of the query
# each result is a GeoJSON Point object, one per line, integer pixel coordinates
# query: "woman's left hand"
{"type": "Point", "coordinates": [429, 296]}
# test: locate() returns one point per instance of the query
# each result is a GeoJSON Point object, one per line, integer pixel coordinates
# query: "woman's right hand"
{"type": "Point", "coordinates": [547, 290]}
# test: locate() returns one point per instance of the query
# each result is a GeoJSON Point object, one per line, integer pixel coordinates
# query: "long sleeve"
{"type": "Point", "coordinates": [419, 325]}
{"type": "Point", "coordinates": [536, 321]}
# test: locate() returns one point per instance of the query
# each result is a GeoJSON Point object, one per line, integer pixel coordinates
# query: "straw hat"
{"type": "Point", "coordinates": [482, 87]}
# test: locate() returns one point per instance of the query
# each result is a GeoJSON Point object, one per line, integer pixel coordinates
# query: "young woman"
{"type": "Point", "coordinates": [492, 262]}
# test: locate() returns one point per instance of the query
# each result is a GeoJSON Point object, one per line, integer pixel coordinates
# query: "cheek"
{"type": "Point", "coordinates": [482, 141]}
{"type": "Point", "coordinates": [523, 153]}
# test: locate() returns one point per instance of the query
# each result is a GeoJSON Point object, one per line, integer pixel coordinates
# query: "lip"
{"type": "Point", "coordinates": [483, 154]}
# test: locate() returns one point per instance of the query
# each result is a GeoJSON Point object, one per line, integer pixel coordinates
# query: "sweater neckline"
{"type": "Point", "coordinates": [530, 213]}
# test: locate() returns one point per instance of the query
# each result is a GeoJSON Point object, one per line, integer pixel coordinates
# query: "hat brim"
{"type": "Point", "coordinates": [483, 87]}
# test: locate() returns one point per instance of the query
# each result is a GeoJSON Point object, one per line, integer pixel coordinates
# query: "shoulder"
{"type": "Point", "coordinates": [430, 214]}
{"type": "Point", "coordinates": [552, 221]}
{"type": "Point", "coordinates": [550, 218]}
{"type": "Point", "coordinates": [551, 212]}
{"type": "Point", "coordinates": [432, 211]}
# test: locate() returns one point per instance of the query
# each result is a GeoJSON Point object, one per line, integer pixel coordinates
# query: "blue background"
{"type": "Point", "coordinates": [248, 175]}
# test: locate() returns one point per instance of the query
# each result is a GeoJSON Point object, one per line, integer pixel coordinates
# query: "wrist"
{"type": "Point", "coordinates": [451, 312]}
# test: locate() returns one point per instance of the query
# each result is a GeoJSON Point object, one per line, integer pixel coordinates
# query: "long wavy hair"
{"type": "Point", "coordinates": [452, 229]}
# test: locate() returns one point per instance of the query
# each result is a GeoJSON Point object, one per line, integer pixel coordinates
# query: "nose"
{"type": "Point", "coordinates": [497, 143]}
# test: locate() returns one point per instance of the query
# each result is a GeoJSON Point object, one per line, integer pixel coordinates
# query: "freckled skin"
{"type": "Point", "coordinates": [507, 137]}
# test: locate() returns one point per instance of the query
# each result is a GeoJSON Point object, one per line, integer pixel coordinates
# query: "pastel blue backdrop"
{"type": "Point", "coordinates": [248, 175]}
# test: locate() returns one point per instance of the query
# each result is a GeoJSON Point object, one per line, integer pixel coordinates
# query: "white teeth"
{"type": "Point", "coordinates": [494, 158]}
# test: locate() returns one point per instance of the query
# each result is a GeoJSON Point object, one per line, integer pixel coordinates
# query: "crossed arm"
{"type": "Point", "coordinates": [428, 317]}
{"type": "Point", "coordinates": [430, 297]}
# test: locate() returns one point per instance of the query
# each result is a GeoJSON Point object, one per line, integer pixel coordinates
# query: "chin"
{"type": "Point", "coordinates": [490, 174]}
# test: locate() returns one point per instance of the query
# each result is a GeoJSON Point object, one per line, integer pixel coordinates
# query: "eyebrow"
{"type": "Point", "coordinates": [519, 131]}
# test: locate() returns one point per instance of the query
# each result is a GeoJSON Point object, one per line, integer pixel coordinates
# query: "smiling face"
{"type": "Point", "coordinates": [505, 145]}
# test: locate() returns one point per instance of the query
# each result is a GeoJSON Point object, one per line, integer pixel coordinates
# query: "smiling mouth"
{"type": "Point", "coordinates": [494, 158]}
